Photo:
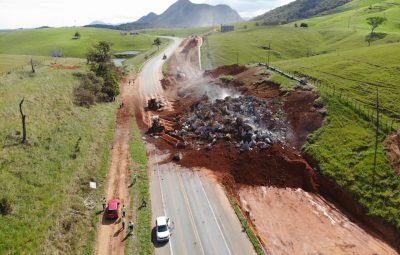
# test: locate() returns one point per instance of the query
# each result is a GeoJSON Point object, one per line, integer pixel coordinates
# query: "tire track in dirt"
{"type": "Point", "coordinates": [110, 236]}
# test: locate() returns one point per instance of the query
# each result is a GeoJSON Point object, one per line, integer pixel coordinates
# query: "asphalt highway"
{"type": "Point", "coordinates": [204, 221]}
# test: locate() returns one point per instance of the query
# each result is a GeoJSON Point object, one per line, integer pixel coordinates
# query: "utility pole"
{"type": "Point", "coordinates": [269, 52]}
{"type": "Point", "coordinates": [376, 138]}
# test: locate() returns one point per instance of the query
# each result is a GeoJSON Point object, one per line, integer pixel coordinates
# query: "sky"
{"type": "Point", "coordinates": [59, 13]}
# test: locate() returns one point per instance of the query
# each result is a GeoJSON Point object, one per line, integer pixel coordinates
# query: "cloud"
{"type": "Point", "coordinates": [35, 13]}
{"type": "Point", "coordinates": [248, 8]}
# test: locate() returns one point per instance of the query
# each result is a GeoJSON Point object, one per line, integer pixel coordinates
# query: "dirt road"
{"type": "Point", "coordinates": [110, 236]}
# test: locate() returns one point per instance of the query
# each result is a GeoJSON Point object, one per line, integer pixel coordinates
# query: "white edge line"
{"type": "Point", "coordinates": [187, 203]}
{"type": "Point", "coordinates": [162, 197]}
{"type": "Point", "coordinates": [212, 211]}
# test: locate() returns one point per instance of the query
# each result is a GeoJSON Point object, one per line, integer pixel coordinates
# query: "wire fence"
{"type": "Point", "coordinates": [364, 110]}
{"type": "Point", "coordinates": [389, 119]}
{"type": "Point", "coordinates": [37, 61]}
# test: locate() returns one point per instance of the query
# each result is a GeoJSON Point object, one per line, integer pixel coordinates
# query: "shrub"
{"type": "Point", "coordinates": [319, 103]}
{"type": "Point", "coordinates": [5, 206]}
{"type": "Point", "coordinates": [305, 25]}
{"type": "Point", "coordinates": [226, 78]}
{"type": "Point", "coordinates": [90, 90]}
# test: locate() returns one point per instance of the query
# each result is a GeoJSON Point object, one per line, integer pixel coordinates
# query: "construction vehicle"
{"type": "Point", "coordinates": [157, 126]}
{"type": "Point", "coordinates": [154, 105]}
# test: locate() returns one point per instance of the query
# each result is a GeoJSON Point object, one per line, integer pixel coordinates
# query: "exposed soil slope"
{"type": "Point", "coordinates": [392, 148]}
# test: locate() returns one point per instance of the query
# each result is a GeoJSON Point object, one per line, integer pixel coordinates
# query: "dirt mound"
{"type": "Point", "coordinates": [226, 70]}
{"type": "Point", "coordinates": [167, 82]}
{"type": "Point", "coordinates": [190, 44]}
{"type": "Point", "coordinates": [277, 166]}
{"type": "Point", "coordinates": [63, 67]}
{"type": "Point", "coordinates": [392, 148]}
{"type": "Point", "coordinates": [301, 114]}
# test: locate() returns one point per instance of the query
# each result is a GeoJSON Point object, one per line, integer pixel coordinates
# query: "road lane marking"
{"type": "Point", "coordinates": [162, 197]}
{"type": "Point", "coordinates": [185, 196]}
{"type": "Point", "coordinates": [213, 213]}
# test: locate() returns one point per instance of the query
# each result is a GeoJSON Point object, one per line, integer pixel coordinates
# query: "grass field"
{"type": "Point", "coordinates": [141, 242]}
{"type": "Point", "coordinates": [10, 63]}
{"type": "Point", "coordinates": [41, 42]}
{"type": "Point", "coordinates": [333, 50]}
{"type": "Point", "coordinates": [357, 73]}
{"type": "Point", "coordinates": [47, 182]}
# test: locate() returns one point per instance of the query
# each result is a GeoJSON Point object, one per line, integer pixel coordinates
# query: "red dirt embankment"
{"type": "Point", "coordinates": [392, 148]}
{"type": "Point", "coordinates": [63, 67]}
{"type": "Point", "coordinates": [302, 116]}
{"type": "Point", "coordinates": [278, 166]}
{"type": "Point", "coordinates": [226, 70]}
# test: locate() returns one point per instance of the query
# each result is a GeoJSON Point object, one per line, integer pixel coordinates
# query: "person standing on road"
{"type": "Point", "coordinates": [104, 202]}
{"type": "Point", "coordinates": [123, 211]}
{"type": "Point", "coordinates": [123, 222]}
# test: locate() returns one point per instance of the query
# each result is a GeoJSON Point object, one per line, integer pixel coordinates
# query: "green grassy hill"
{"type": "Point", "coordinates": [299, 9]}
{"type": "Point", "coordinates": [41, 42]}
{"type": "Point", "coordinates": [333, 50]}
{"type": "Point", "coordinates": [47, 182]}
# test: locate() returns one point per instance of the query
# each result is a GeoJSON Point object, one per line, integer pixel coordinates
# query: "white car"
{"type": "Point", "coordinates": [162, 229]}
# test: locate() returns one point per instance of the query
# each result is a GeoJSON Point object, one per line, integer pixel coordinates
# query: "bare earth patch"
{"type": "Point", "coordinates": [292, 221]}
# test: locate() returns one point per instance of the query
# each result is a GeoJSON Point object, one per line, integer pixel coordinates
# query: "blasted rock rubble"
{"type": "Point", "coordinates": [245, 121]}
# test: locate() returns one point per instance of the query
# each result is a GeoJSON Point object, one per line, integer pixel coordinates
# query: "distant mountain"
{"type": "Point", "coordinates": [149, 18]}
{"type": "Point", "coordinates": [99, 22]}
{"type": "Point", "coordinates": [299, 9]}
{"type": "Point", "coordinates": [43, 27]}
{"type": "Point", "coordinates": [184, 13]}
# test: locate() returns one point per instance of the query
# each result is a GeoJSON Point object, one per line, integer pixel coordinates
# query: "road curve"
{"type": "Point", "coordinates": [151, 73]}
{"type": "Point", "coordinates": [204, 222]}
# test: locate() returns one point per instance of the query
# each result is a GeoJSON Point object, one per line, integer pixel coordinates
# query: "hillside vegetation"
{"type": "Point", "coordinates": [41, 42]}
{"type": "Point", "coordinates": [46, 183]}
{"type": "Point", "coordinates": [333, 51]}
{"type": "Point", "coordinates": [299, 9]}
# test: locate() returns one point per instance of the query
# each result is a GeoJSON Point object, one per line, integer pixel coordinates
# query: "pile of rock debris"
{"type": "Point", "coordinates": [245, 121]}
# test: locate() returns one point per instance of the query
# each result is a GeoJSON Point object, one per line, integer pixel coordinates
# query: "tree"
{"type": "Point", "coordinates": [304, 25]}
{"type": "Point", "coordinates": [77, 35]}
{"type": "Point", "coordinates": [295, 25]}
{"type": "Point", "coordinates": [157, 42]}
{"type": "Point", "coordinates": [23, 118]}
{"type": "Point", "coordinates": [374, 22]}
{"type": "Point", "coordinates": [99, 58]}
